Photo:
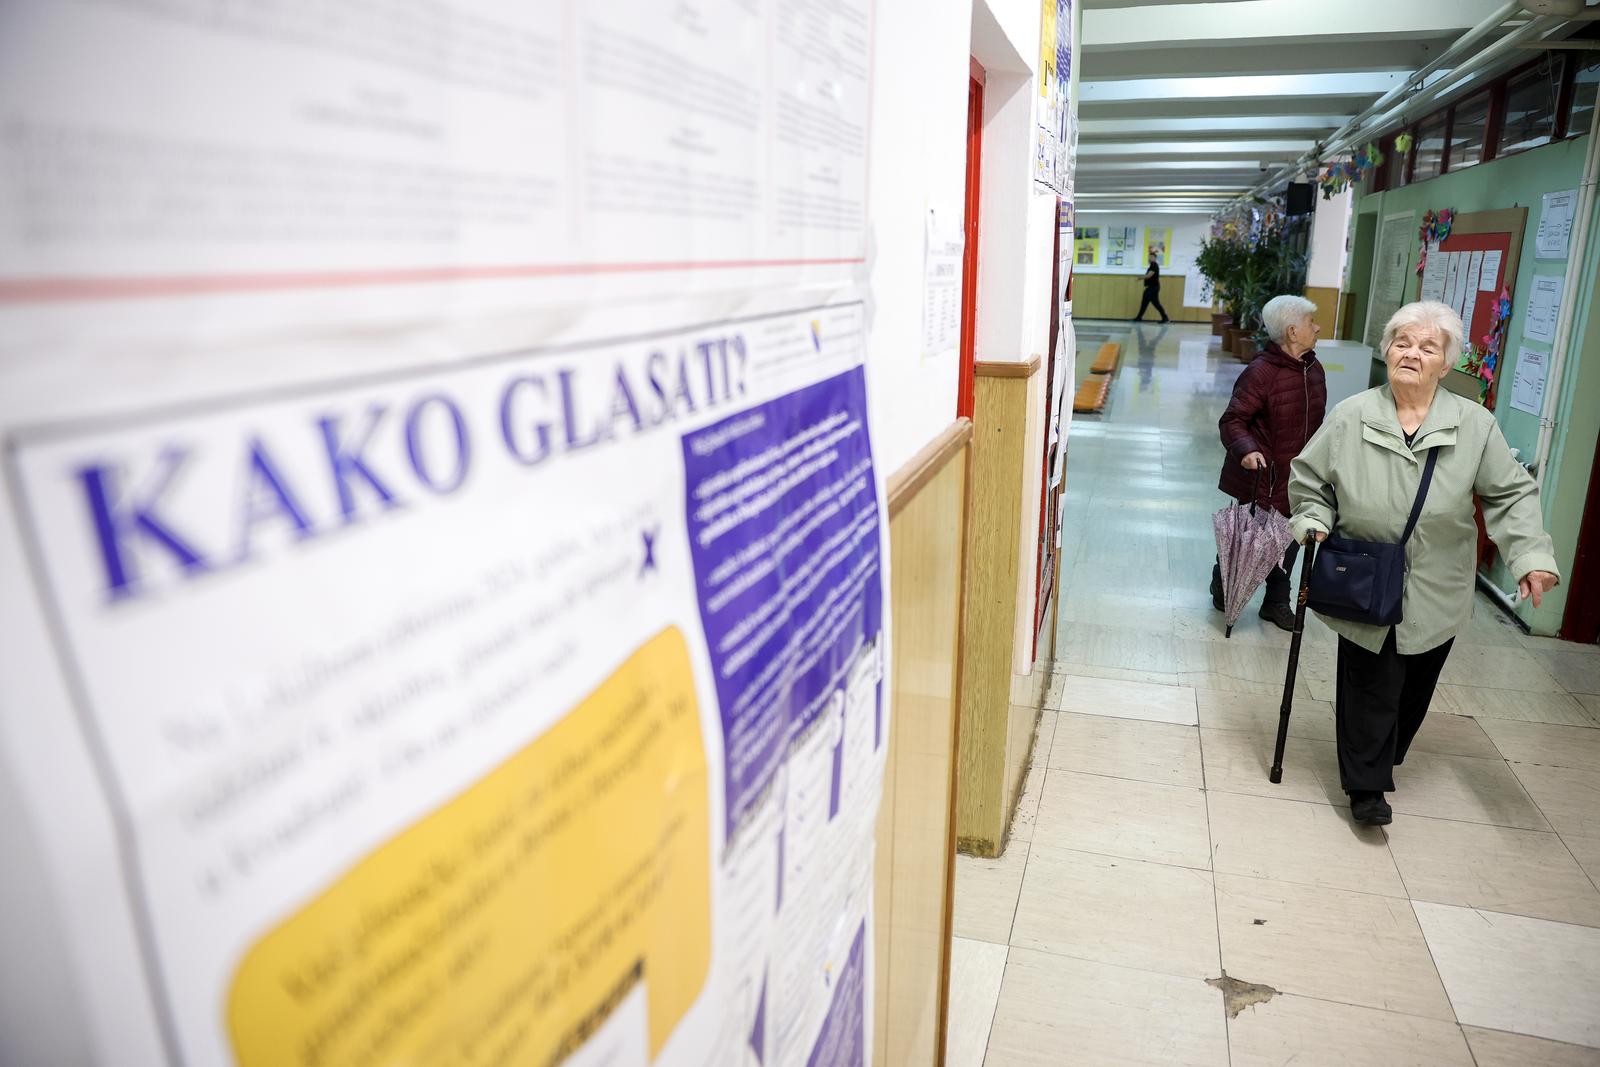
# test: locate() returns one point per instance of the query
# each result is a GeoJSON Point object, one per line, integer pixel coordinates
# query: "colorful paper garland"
{"type": "Point", "coordinates": [1338, 176]}
{"type": "Point", "coordinates": [1484, 364]}
{"type": "Point", "coordinates": [1435, 228]}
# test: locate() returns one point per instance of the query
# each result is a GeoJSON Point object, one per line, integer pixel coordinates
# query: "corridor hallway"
{"type": "Point", "coordinates": [1150, 856]}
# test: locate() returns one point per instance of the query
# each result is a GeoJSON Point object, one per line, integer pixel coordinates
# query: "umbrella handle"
{"type": "Point", "coordinates": [1255, 485]}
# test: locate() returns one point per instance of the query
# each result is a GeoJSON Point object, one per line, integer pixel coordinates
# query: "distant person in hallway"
{"type": "Point", "coordinates": [1359, 477]}
{"type": "Point", "coordinates": [1152, 291]}
{"type": "Point", "coordinates": [1277, 405]}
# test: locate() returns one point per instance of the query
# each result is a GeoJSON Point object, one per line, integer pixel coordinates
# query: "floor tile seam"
{"type": "Point", "coordinates": [1022, 881]}
{"type": "Point", "coordinates": [1216, 874]}
{"type": "Point", "coordinates": [1124, 858]}
{"type": "Point", "coordinates": [1126, 718]}
{"type": "Point", "coordinates": [1452, 1021]}
{"type": "Point", "coordinates": [1506, 910]}
{"type": "Point", "coordinates": [1512, 767]}
{"type": "Point", "coordinates": [1432, 959]}
{"type": "Point", "coordinates": [1120, 966]}
{"type": "Point", "coordinates": [1216, 902]}
{"type": "Point", "coordinates": [1333, 741]}
{"type": "Point", "coordinates": [1067, 672]}
{"type": "Point", "coordinates": [994, 1009]}
{"type": "Point", "coordinates": [1547, 828]}
{"type": "Point", "coordinates": [1519, 1033]}
{"type": "Point", "coordinates": [1125, 778]}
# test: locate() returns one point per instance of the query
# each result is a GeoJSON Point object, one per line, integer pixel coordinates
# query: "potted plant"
{"type": "Point", "coordinates": [1270, 267]}
{"type": "Point", "coordinates": [1219, 260]}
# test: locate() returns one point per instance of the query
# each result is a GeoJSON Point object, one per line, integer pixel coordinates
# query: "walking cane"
{"type": "Point", "coordinates": [1294, 660]}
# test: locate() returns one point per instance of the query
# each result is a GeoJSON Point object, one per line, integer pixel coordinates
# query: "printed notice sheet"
{"type": "Point", "coordinates": [1490, 280]}
{"type": "Point", "coordinates": [1555, 224]}
{"type": "Point", "coordinates": [411, 762]}
{"type": "Point", "coordinates": [444, 541]}
{"type": "Point", "coordinates": [1527, 384]}
{"type": "Point", "coordinates": [1544, 307]}
{"type": "Point", "coordinates": [941, 288]}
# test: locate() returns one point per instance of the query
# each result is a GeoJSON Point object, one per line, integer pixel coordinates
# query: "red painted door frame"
{"type": "Point", "coordinates": [1581, 621]}
{"type": "Point", "coordinates": [969, 253]}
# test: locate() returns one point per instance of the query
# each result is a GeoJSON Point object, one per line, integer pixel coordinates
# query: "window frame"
{"type": "Point", "coordinates": [1494, 121]}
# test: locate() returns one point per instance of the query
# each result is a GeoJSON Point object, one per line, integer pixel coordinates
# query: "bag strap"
{"type": "Point", "coordinates": [1422, 493]}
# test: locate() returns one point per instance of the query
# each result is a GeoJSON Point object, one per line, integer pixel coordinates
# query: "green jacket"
{"type": "Point", "coordinates": [1356, 477]}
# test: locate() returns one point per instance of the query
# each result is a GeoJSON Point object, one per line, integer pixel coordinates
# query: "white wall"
{"type": "Point", "coordinates": [919, 151]}
{"type": "Point", "coordinates": [1330, 227]}
{"type": "Point", "coordinates": [1187, 233]}
{"type": "Point", "coordinates": [918, 165]}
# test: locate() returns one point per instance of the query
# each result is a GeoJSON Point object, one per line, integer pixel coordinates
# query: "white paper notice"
{"type": "Point", "coordinates": [1489, 281]}
{"type": "Point", "coordinates": [1544, 307]}
{"type": "Point", "coordinates": [1196, 290]}
{"type": "Point", "coordinates": [1467, 291]}
{"type": "Point", "coordinates": [941, 290]}
{"type": "Point", "coordinates": [1452, 277]}
{"type": "Point", "coordinates": [1433, 276]}
{"type": "Point", "coordinates": [1555, 224]}
{"type": "Point", "coordinates": [1527, 385]}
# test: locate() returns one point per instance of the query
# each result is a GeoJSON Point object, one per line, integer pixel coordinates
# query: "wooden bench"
{"type": "Point", "coordinates": [1091, 395]}
{"type": "Point", "coordinates": [1106, 361]}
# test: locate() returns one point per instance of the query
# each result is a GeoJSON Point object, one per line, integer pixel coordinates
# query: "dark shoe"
{"type": "Point", "coordinates": [1278, 613]}
{"type": "Point", "coordinates": [1216, 589]}
{"type": "Point", "coordinates": [1371, 809]}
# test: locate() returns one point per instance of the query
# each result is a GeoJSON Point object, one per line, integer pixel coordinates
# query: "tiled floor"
{"type": "Point", "coordinates": [1152, 854]}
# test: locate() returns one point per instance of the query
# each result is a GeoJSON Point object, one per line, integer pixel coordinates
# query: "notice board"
{"type": "Point", "coordinates": [1476, 239]}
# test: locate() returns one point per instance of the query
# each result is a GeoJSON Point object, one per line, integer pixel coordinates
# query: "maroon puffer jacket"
{"type": "Point", "coordinates": [1277, 405]}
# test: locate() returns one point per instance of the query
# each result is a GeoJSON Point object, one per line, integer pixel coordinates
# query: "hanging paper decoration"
{"type": "Point", "coordinates": [1483, 362]}
{"type": "Point", "coordinates": [1402, 143]}
{"type": "Point", "coordinates": [1435, 228]}
{"type": "Point", "coordinates": [1336, 177]}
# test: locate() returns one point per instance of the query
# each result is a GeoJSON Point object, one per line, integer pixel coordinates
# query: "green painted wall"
{"type": "Point", "coordinates": [1520, 181]}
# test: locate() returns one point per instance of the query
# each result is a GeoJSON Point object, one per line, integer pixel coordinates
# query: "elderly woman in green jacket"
{"type": "Point", "coordinates": [1358, 477]}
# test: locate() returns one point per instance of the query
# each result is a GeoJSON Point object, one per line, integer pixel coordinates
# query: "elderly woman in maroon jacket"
{"type": "Point", "coordinates": [1277, 405]}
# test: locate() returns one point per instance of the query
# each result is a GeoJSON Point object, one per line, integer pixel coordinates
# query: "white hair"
{"type": "Point", "coordinates": [1283, 311]}
{"type": "Point", "coordinates": [1430, 314]}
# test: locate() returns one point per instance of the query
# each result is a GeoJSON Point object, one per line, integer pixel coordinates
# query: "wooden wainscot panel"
{"type": "Point", "coordinates": [1327, 300]}
{"type": "Point", "coordinates": [1000, 460]}
{"type": "Point", "coordinates": [916, 826]}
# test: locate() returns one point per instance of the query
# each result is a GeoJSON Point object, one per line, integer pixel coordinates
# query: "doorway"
{"type": "Point", "coordinates": [1353, 314]}
{"type": "Point", "coordinates": [1581, 621]}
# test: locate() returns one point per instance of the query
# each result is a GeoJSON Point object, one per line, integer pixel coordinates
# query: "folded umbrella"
{"type": "Point", "coordinates": [1251, 540]}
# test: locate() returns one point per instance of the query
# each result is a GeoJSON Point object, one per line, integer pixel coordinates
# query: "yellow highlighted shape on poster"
{"type": "Point", "coordinates": [505, 927]}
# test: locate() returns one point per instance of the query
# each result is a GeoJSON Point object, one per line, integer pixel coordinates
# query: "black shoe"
{"type": "Point", "coordinates": [1216, 589]}
{"type": "Point", "coordinates": [1371, 808]}
{"type": "Point", "coordinates": [1278, 612]}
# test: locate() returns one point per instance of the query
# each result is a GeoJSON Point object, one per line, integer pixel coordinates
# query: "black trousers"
{"type": "Point", "coordinates": [1381, 701]}
{"type": "Point", "coordinates": [1278, 581]}
{"type": "Point", "coordinates": [1151, 296]}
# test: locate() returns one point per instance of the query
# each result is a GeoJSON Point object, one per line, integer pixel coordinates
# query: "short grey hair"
{"type": "Point", "coordinates": [1441, 318]}
{"type": "Point", "coordinates": [1282, 311]}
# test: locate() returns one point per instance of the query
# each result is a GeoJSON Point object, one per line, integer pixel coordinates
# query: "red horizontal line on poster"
{"type": "Point", "coordinates": [42, 290]}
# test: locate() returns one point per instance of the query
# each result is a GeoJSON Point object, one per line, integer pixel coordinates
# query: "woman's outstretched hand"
{"type": "Point", "coordinates": [1536, 585]}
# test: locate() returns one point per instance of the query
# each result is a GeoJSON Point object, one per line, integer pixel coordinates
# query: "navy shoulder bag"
{"type": "Point", "coordinates": [1365, 581]}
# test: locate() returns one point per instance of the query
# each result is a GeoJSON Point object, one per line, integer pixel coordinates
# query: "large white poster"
{"type": "Point", "coordinates": [150, 145]}
{"type": "Point", "coordinates": [446, 603]}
